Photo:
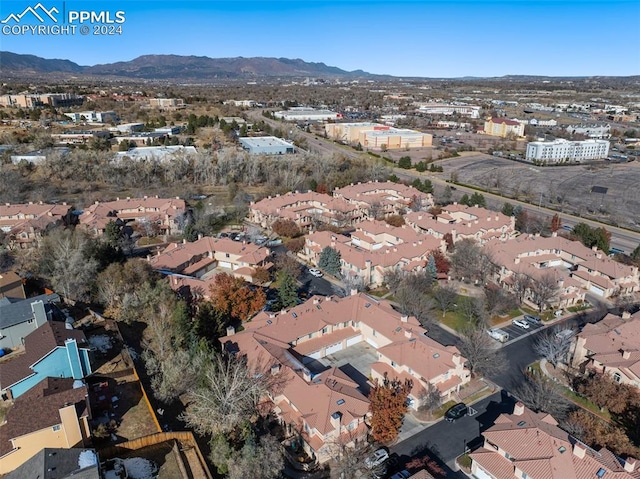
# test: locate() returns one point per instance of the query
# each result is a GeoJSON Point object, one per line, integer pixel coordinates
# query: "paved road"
{"type": "Point", "coordinates": [624, 239]}
{"type": "Point", "coordinates": [446, 441]}
{"type": "Point", "coordinates": [312, 285]}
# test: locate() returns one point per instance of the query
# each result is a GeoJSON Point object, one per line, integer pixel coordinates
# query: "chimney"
{"type": "Point", "coordinates": [404, 318]}
{"type": "Point", "coordinates": [626, 315]}
{"type": "Point", "coordinates": [518, 409]}
{"type": "Point", "coordinates": [275, 369]}
{"type": "Point", "coordinates": [336, 419]}
{"type": "Point", "coordinates": [630, 464]}
{"type": "Point", "coordinates": [231, 330]}
{"type": "Point", "coordinates": [327, 298]}
{"type": "Point", "coordinates": [316, 301]}
{"type": "Point", "coordinates": [579, 450]}
{"type": "Point", "coordinates": [184, 241]}
{"type": "Point", "coordinates": [419, 217]}
{"type": "Point", "coordinates": [174, 280]}
{"type": "Point", "coordinates": [408, 334]}
{"type": "Point", "coordinates": [594, 248]}
{"type": "Point", "coordinates": [306, 375]}
{"type": "Point", "coordinates": [554, 234]}
{"type": "Point", "coordinates": [354, 292]}
{"type": "Point", "coordinates": [626, 354]}
{"type": "Point", "coordinates": [199, 236]}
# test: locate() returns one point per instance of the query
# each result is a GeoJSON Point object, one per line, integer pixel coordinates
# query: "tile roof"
{"type": "Point", "coordinates": [99, 214]}
{"type": "Point", "coordinates": [39, 408]}
{"type": "Point", "coordinates": [37, 344]}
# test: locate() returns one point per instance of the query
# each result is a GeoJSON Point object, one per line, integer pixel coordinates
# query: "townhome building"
{"type": "Point", "coordinates": [382, 198]}
{"type": "Point", "coordinates": [158, 215]}
{"type": "Point", "coordinates": [611, 346]}
{"type": "Point", "coordinates": [371, 265]}
{"type": "Point", "coordinates": [578, 269]}
{"type": "Point", "coordinates": [526, 444]}
{"type": "Point", "coordinates": [26, 223]}
{"type": "Point", "coordinates": [20, 316]}
{"type": "Point", "coordinates": [463, 222]}
{"type": "Point", "coordinates": [305, 209]}
{"type": "Point", "coordinates": [328, 406]}
{"type": "Point", "coordinates": [206, 254]}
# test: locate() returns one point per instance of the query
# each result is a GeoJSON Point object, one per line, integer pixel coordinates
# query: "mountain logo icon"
{"type": "Point", "coordinates": [38, 11]}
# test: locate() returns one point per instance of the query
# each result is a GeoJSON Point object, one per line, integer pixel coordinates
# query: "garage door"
{"type": "Point", "coordinates": [225, 264]}
{"type": "Point", "coordinates": [594, 289]}
{"type": "Point", "coordinates": [354, 340]}
{"type": "Point", "coordinates": [480, 474]}
{"type": "Point", "coordinates": [334, 348]}
{"type": "Point", "coordinates": [310, 357]}
{"type": "Point", "coordinates": [372, 343]}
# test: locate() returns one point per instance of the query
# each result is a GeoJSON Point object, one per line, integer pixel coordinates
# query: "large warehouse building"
{"type": "Point", "coordinates": [306, 114]}
{"type": "Point", "coordinates": [266, 145]}
{"type": "Point", "coordinates": [564, 150]}
{"type": "Point", "coordinates": [392, 139]}
{"type": "Point", "coordinates": [350, 132]}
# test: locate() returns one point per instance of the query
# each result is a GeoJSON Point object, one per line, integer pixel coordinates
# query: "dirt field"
{"type": "Point", "coordinates": [566, 187]}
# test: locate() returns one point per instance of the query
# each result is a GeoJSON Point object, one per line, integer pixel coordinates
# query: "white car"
{"type": "Point", "coordinates": [521, 322]}
{"type": "Point", "coordinates": [315, 272]}
{"type": "Point", "coordinates": [377, 458]}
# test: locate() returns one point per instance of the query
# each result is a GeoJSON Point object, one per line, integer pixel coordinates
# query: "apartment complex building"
{"type": "Point", "coordinates": [526, 444]}
{"type": "Point", "coordinates": [596, 132]}
{"type": "Point", "coordinates": [611, 346]}
{"type": "Point", "coordinates": [170, 103]}
{"type": "Point", "coordinates": [329, 406]}
{"type": "Point", "coordinates": [44, 99]}
{"type": "Point", "coordinates": [26, 223]}
{"type": "Point", "coordinates": [561, 150]}
{"type": "Point", "coordinates": [576, 268]}
{"type": "Point", "coordinates": [381, 198]}
{"type": "Point", "coordinates": [462, 222]}
{"type": "Point", "coordinates": [503, 128]}
{"type": "Point", "coordinates": [207, 253]}
{"type": "Point", "coordinates": [164, 215]}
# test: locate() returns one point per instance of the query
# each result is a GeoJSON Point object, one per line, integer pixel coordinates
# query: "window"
{"type": "Point", "coordinates": [617, 377]}
{"type": "Point", "coordinates": [226, 255]}
{"type": "Point", "coordinates": [374, 332]}
{"type": "Point", "coordinates": [57, 427]}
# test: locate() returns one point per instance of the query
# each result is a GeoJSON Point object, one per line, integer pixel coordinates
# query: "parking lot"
{"type": "Point", "coordinates": [516, 331]}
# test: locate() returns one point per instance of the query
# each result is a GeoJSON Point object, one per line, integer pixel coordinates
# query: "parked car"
{"type": "Point", "coordinates": [456, 412]}
{"type": "Point", "coordinates": [377, 458]}
{"type": "Point", "coordinates": [532, 319]}
{"type": "Point", "coordinates": [521, 323]}
{"type": "Point", "coordinates": [315, 272]}
{"type": "Point", "coordinates": [401, 475]}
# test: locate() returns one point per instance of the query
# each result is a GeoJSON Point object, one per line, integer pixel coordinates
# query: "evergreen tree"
{"type": "Point", "coordinates": [330, 260]}
{"type": "Point", "coordinates": [431, 267]}
{"type": "Point", "coordinates": [287, 291]}
{"type": "Point", "coordinates": [508, 209]}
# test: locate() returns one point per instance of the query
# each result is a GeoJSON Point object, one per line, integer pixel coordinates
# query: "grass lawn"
{"type": "Point", "coordinates": [580, 307]}
{"type": "Point", "coordinates": [442, 409]}
{"type": "Point", "coordinates": [454, 320]}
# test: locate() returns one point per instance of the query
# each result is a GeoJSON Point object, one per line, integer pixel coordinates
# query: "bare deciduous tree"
{"type": "Point", "coordinates": [262, 458]}
{"type": "Point", "coordinates": [445, 296]}
{"type": "Point", "coordinates": [552, 346]}
{"type": "Point", "coordinates": [544, 290]}
{"type": "Point", "coordinates": [227, 396]}
{"type": "Point", "coordinates": [480, 350]}
{"type": "Point", "coordinates": [542, 394]}
{"type": "Point", "coordinates": [430, 399]}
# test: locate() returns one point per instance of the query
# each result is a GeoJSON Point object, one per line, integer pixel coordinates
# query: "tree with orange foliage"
{"type": "Point", "coordinates": [388, 406]}
{"type": "Point", "coordinates": [442, 263]}
{"type": "Point", "coordinates": [235, 298]}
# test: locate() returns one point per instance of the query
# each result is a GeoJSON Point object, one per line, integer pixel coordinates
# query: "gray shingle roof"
{"type": "Point", "coordinates": [56, 463]}
{"type": "Point", "coordinates": [17, 310]}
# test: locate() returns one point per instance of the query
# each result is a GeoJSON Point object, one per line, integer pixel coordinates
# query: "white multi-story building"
{"type": "Point", "coordinates": [596, 132]}
{"type": "Point", "coordinates": [306, 114]}
{"type": "Point", "coordinates": [564, 150]}
{"type": "Point", "coordinates": [472, 111]}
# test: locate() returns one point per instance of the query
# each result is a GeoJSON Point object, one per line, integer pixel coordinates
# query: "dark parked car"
{"type": "Point", "coordinates": [456, 412]}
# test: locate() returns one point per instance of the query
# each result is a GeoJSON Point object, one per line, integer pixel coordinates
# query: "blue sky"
{"type": "Point", "coordinates": [440, 38]}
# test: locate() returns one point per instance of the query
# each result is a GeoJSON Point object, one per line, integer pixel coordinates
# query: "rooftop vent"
{"type": "Point", "coordinates": [436, 355]}
{"type": "Point", "coordinates": [367, 305]}
{"type": "Point", "coordinates": [562, 449]}
{"type": "Point", "coordinates": [269, 321]}
{"type": "Point", "coordinates": [340, 402]}
{"type": "Point", "coordinates": [294, 315]}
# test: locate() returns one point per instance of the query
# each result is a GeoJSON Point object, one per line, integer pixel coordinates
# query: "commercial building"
{"type": "Point", "coordinates": [561, 150]}
{"type": "Point", "coordinates": [94, 116]}
{"type": "Point", "coordinates": [306, 114]}
{"type": "Point", "coordinates": [168, 130]}
{"type": "Point", "coordinates": [45, 99]}
{"type": "Point", "coordinates": [503, 127]}
{"type": "Point", "coordinates": [393, 139]}
{"type": "Point", "coordinates": [266, 145]}
{"type": "Point", "coordinates": [140, 139]}
{"type": "Point", "coordinates": [526, 444]}
{"type": "Point", "coordinates": [37, 157]}
{"type": "Point", "coordinates": [612, 347]}
{"type": "Point", "coordinates": [350, 132]}
{"type": "Point", "coordinates": [166, 102]}
{"type": "Point", "coordinates": [128, 127]}
{"type": "Point", "coordinates": [597, 132]}
{"type": "Point", "coordinates": [156, 153]}
{"type": "Point", "coordinates": [79, 137]}
{"type": "Point", "coordinates": [472, 111]}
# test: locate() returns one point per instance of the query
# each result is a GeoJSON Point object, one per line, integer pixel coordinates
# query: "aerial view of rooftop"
{"type": "Point", "coordinates": [320, 239]}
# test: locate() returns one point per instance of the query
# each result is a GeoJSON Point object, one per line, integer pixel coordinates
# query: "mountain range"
{"type": "Point", "coordinates": [175, 67]}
